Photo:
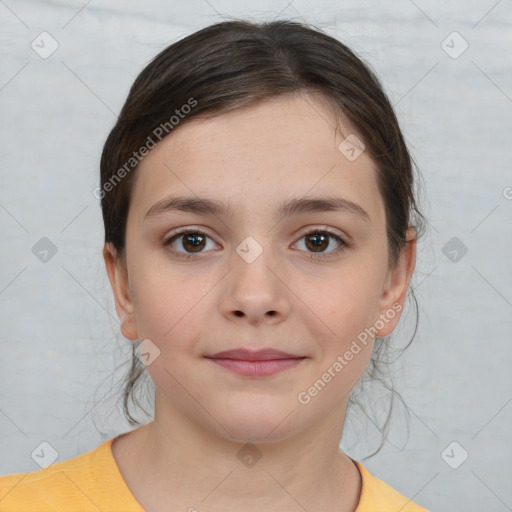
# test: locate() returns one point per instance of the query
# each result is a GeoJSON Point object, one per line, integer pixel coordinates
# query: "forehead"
{"type": "Point", "coordinates": [286, 146]}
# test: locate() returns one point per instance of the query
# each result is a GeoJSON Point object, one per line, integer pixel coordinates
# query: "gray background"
{"type": "Point", "coordinates": [60, 340]}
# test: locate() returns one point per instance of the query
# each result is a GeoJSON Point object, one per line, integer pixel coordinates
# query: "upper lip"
{"type": "Point", "coordinates": [243, 354]}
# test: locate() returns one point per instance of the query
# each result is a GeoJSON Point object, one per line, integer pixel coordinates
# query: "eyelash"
{"type": "Point", "coordinates": [343, 244]}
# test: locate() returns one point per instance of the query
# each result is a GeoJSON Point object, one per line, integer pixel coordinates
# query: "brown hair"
{"type": "Point", "coordinates": [237, 63]}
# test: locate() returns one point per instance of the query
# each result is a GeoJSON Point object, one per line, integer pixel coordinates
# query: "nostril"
{"type": "Point", "coordinates": [239, 313]}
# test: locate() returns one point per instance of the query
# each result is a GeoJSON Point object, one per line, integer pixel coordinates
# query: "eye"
{"type": "Point", "coordinates": [193, 241]}
{"type": "Point", "coordinates": [317, 240]}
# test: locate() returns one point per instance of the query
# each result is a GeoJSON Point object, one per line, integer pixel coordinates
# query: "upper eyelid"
{"type": "Point", "coordinates": [304, 231]}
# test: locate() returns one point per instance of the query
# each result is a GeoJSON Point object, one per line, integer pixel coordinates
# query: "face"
{"type": "Point", "coordinates": [311, 281]}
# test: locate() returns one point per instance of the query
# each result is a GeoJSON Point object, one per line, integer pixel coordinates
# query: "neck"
{"type": "Point", "coordinates": [178, 461]}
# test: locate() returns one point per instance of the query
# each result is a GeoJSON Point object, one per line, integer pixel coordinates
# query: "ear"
{"type": "Point", "coordinates": [118, 277]}
{"type": "Point", "coordinates": [397, 284]}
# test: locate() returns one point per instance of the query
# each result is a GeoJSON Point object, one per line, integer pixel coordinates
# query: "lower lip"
{"type": "Point", "coordinates": [257, 368]}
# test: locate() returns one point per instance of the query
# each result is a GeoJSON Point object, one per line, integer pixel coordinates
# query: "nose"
{"type": "Point", "coordinates": [256, 292]}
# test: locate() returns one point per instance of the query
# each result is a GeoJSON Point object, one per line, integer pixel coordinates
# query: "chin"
{"type": "Point", "coordinates": [258, 427]}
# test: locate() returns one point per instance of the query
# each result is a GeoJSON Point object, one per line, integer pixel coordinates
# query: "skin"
{"type": "Point", "coordinates": [252, 158]}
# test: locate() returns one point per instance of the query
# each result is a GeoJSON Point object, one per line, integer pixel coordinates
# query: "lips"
{"type": "Point", "coordinates": [255, 363]}
{"type": "Point", "coordinates": [267, 354]}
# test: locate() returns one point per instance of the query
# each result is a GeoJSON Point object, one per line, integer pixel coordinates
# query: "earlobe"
{"type": "Point", "coordinates": [397, 285]}
{"type": "Point", "coordinates": [118, 277]}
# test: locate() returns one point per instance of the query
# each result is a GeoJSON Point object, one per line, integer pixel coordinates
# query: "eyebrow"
{"type": "Point", "coordinates": [290, 207]}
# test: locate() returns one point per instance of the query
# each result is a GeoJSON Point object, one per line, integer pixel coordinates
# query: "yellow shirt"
{"type": "Point", "coordinates": [92, 482]}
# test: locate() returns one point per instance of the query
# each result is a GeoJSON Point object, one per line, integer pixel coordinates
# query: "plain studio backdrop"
{"type": "Point", "coordinates": [66, 68]}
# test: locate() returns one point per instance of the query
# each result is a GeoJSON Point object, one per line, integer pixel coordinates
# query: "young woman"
{"type": "Point", "coordinates": [260, 238]}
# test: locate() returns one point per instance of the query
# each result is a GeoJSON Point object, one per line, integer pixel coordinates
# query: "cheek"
{"type": "Point", "coordinates": [168, 303]}
{"type": "Point", "coordinates": [345, 310]}
{"type": "Point", "coordinates": [155, 303]}
{"type": "Point", "coordinates": [344, 303]}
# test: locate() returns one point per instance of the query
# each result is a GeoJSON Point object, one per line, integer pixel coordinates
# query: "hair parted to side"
{"type": "Point", "coordinates": [233, 64]}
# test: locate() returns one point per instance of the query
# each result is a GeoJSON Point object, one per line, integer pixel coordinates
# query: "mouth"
{"type": "Point", "coordinates": [259, 363]}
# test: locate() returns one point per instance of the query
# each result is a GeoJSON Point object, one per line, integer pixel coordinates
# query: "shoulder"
{"type": "Point", "coordinates": [47, 488]}
{"type": "Point", "coordinates": [378, 495]}
{"type": "Point", "coordinates": [82, 483]}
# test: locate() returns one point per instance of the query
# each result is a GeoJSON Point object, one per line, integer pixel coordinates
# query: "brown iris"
{"type": "Point", "coordinates": [317, 240]}
{"type": "Point", "coordinates": [197, 242]}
